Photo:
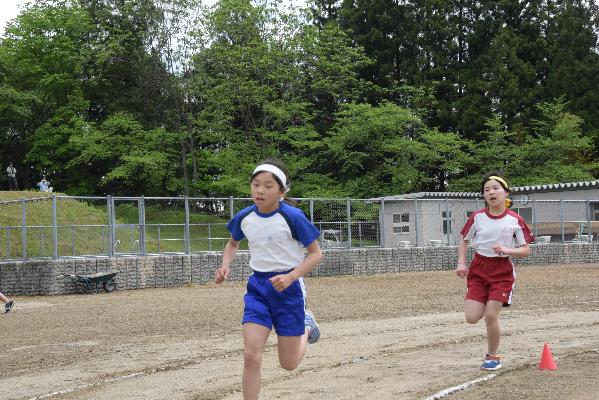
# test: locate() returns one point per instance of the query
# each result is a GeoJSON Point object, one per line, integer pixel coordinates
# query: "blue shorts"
{"type": "Point", "coordinates": [265, 306]}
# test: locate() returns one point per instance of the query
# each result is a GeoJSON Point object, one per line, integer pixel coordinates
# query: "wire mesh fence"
{"type": "Point", "coordinates": [66, 226]}
{"type": "Point", "coordinates": [82, 226]}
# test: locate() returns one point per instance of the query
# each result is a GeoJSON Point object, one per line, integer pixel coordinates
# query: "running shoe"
{"type": "Point", "coordinates": [492, 363]}
{"type": "Point", "coordinates": [8, 306]}
{"type": "Point", "coordinates": [312, 326]}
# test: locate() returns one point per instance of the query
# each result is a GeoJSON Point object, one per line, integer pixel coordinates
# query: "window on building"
{"type": "Point", "coordinates": [401, 223]}
{"type": "Point", "coordinates": [446, 222]}
{"type": "Point", "coordinates": [525, 213]}
{"type": "Point", "coordinates": [594, 211]}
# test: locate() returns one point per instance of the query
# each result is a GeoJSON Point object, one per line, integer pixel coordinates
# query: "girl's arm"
{"type": "Point", "coordinates": [282, 281]}
{"type": "Point", "coordinates": [231, 248]}
{"type": "Point", "coordinates": [462, 269]}
{"type": "Point", "coordinates": [519, 252]}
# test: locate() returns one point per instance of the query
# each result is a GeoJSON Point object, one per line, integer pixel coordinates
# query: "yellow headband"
{"type": "Point", "coordinates": [499, 179]}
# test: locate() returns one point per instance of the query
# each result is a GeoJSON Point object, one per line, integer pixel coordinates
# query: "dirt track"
{"type": "Point", "coordinates": [398, 336]}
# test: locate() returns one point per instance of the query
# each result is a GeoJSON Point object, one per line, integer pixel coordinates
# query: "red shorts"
{"type": "Point", "coordinates": [491, 278]}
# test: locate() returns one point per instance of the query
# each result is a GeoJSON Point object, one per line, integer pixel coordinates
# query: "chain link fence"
{"type": "Point", "coordinates": [66, 226]}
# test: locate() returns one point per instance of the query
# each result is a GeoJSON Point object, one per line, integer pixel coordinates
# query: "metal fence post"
{"type": "Point", "coordinates": [187, 239]}
{"type": "Point", "coordinates": [447, 222]}
{"type": "Point", "coordinates": [158, 238]}
{"type": "Point", "coordinates": [73, 233]}
{"type": "Point", "coordinates": [359, 233]}
{"type": "Point", "coordinates": [534, 218]}
{"type": "Point", "coordinates": [382, 218]}
{"type": "Point", "coordinates": [589, 231]}
{"type": "Point", "coordinates": [312, 210]}
{"type": "Point", "coordinates": [416, 221]}
{"type": "Point", "coordinates": [142, 225]}
{"type": "Point", "coordinates": [54, 229]}
{"type": "Point", "coordinates": [23, 228]}
{"type": "Point", "coordinates": [348, 210]}
{"type": "Point", "coordinates": [231, 210]}
{"type": "Point", "coordinates": [114, 227]}
{"type": "Point", "coordinates": [8, 241]}
{"type": "Point", "coordinates": [561, 219]}
{"type": "Point", "coordinates": [110, 211]}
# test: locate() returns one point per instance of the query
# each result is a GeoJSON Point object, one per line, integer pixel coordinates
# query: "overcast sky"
{"type": "Point", "coordinates": [9, 10]}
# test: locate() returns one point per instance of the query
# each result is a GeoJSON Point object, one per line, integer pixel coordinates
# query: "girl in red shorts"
{"type": "Point", "coordinates": [496, 233]}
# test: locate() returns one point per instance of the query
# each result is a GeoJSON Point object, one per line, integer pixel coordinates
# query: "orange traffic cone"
{"type": "Point", "coordinates": [547, 361]}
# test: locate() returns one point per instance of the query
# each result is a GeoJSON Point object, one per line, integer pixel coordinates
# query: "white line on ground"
{"type": "Point", "coordinates": [445, 392]}
{"type": "Point", "coordinates": [120, 378]}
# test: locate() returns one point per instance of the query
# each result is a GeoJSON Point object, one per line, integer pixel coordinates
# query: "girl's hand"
{"type": "Point", "coordinates": [501, 250]}
{"type": "Point", "coordinates": [461, 270]}
{"type": "Point", "coordinates": [221, 274]}
{"type": "Point", "coordinates": [281, 282]}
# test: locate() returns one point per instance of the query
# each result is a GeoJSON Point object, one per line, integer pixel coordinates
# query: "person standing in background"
{"type": "Point", "coordinates": [12, 177]}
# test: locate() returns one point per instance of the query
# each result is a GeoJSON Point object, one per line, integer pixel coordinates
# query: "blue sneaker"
{"type": "Point", "coordinates": [312, 326]}
{"type": "Point", "coordinates": [492, 363]}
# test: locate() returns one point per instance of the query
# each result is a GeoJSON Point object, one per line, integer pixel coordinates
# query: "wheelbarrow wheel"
{"type": "Point", "coordinates": [109, 286]}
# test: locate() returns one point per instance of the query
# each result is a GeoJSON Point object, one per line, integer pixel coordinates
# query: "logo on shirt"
{"type": "Point", "coordinates": [276, 238]}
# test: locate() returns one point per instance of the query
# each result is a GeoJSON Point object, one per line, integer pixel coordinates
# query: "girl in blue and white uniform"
{"type": "Point", "coordinates": [277, 234]}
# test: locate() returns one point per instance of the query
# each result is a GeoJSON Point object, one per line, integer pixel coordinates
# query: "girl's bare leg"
{"type": "Point", "coordinates": [492, 321]}
{"type": "Point", "coordinates": [292, 350]}
{"type": "Point", "coordinates": [254, 339]}
{"type": "Point", "coordinates": [474, 311]}
{"type": "Point", "coordinates": [3, 298]}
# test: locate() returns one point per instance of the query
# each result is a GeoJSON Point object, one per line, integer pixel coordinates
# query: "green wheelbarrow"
{"type": "Point", "coordinates": [91, 282]}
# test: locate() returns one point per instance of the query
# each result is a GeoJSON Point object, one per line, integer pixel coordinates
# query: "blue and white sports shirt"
{"type": "Point", "coordinates": [276, 239]}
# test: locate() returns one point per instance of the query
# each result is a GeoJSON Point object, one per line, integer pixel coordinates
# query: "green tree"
{"type": "Point", "coordinates": [41, 60]}
{"type": "Point", "coordinates": [330, 68]}
{"type": "Point", "coordinates": [556, 150]}
{"type": "Point", "coordinates": [128, 159]}
{"type": "Point", "coordinates": [177, 38]}
{"type": "Point", "coordinates": [369, 150]}
{"type": "Point", "coordinates": [573, 60]}
{"type": "Point", "coordinates": [239, 82]}
{"type": "Point", "coordinates": [123, 70]}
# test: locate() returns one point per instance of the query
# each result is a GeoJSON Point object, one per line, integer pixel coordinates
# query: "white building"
{"type": "Point", "coordinates": [555, 212]}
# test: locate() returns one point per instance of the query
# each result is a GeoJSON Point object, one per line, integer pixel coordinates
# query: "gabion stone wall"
{"type": "Point", "coordinates": [48, 277]}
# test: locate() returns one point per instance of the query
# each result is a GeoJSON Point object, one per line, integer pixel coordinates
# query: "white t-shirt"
{"type": "Point", "coordinates": [276, 239]}
{"type": "Point", "coordinates": [485, 231]}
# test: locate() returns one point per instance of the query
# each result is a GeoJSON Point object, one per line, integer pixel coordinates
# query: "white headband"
{"type": "Point", "coordinates": [276, 171]}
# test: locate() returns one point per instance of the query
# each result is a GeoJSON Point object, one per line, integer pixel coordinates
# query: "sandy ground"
{"type": "Point", "coordinates": [399, 336]}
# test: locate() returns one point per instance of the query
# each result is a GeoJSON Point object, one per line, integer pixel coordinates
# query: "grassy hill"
{"type": "Point", "coordinates": [83, 226]}
{"type": "Point", "coordinates": [39, 210]}
{"type": "Point", "coordinates": [16, 195]}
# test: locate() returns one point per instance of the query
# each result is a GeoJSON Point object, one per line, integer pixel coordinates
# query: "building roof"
{"type": "Point", "coordinates": [557, 187]}
{"type": "Point", "coordinates": [433, 195]}
{"type": "Point", "coordinates": [552, 187]}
